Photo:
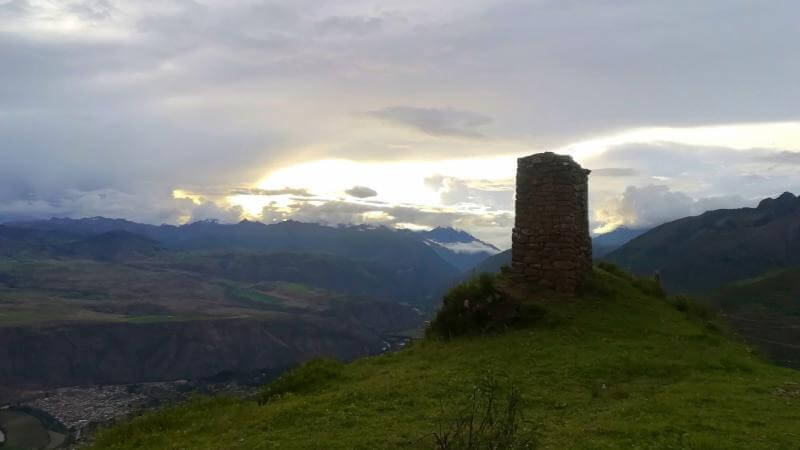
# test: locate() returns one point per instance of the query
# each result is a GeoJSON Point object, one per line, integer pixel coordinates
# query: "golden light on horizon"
{"type": "Point", "coordinates": [413, 182]}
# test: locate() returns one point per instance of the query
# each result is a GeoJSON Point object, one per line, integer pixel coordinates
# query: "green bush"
{"type": "Point", "coordinates": [308, 377]}
{"type": "Point", "coordinates": [478, 306]}
{"type": "Point", "coordinates": [465, 307]}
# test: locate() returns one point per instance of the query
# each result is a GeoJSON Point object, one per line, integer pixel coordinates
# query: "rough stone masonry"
{"type": "Point", "coordinates": [550, 243]}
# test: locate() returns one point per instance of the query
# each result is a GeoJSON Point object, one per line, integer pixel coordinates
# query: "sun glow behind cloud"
{"type": "Point", "coordinates": [253, 205]}
{"type": "Point", "coordinates": [407, 183]}
{"type": "Point", "coordinates": [401, 182]}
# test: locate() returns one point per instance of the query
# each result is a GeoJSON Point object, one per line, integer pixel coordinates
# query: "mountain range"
{"type": "Point", "coordinates": [457, 248]}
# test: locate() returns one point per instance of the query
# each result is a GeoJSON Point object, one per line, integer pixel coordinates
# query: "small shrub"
{"type": "Point", "coordinates": [490, 421]}
{"type": "Point", "coordinates": [308, 377]}
{"type": "Point", "coordinates": [478, 306]}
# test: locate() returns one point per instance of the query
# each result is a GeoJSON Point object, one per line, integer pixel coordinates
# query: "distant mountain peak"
{"type": "Point", "coordinates": [457, 247]}
{"type": "Point", "coordinates": [785, 201]}
{"type": "Point", "coordinates": [251, 223]}
{"type": "Point", "coordinates": [450, 235]}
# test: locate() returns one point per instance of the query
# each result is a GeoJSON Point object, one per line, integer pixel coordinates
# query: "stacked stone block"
{"type": "Point", "coordinates": [551, 246]}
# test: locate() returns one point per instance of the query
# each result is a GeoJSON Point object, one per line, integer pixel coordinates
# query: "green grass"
{"type": "Point", "coordinates": [617, 368]}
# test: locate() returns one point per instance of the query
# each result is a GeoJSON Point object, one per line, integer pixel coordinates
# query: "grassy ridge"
{"type": "Point", "coordinates": [766, 311]}
{"type": "Point", "coordinates": [616, 369]}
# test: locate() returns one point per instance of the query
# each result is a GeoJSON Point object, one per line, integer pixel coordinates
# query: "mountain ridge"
{"type": "Point", "coordinates": [702, 252]}
{"type": "Point", "coordinates": [456, 247]}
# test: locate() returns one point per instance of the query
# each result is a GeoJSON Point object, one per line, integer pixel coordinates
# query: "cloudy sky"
{"type": "Point", "coordinates": [405, 113]}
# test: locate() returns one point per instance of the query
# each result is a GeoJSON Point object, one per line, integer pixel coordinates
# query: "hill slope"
{"type": "Point", "coordinates": [766, 311]}
{"type": "Point", "coordinates": [699, 253]}
{"type": "Point", "coordinates": [614, 369]}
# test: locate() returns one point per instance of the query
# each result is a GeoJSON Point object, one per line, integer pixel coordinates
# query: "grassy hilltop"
{"type": "Point", "coordinates": [620, 367]}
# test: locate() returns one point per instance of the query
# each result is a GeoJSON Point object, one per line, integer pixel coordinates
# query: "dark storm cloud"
{"type": "Point", "coordinates": [434, 121]}
{"type": "Point", "coordinates": [361, 192]}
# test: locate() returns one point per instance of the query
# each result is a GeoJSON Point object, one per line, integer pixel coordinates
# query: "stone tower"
{"type": "Point", "coordinates": [550, 243]}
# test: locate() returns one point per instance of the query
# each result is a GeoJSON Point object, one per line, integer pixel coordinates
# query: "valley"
{"type": "Point", "coordinates": [105, 318]}
{"type": "Point", "coordinates": [87, 315]}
